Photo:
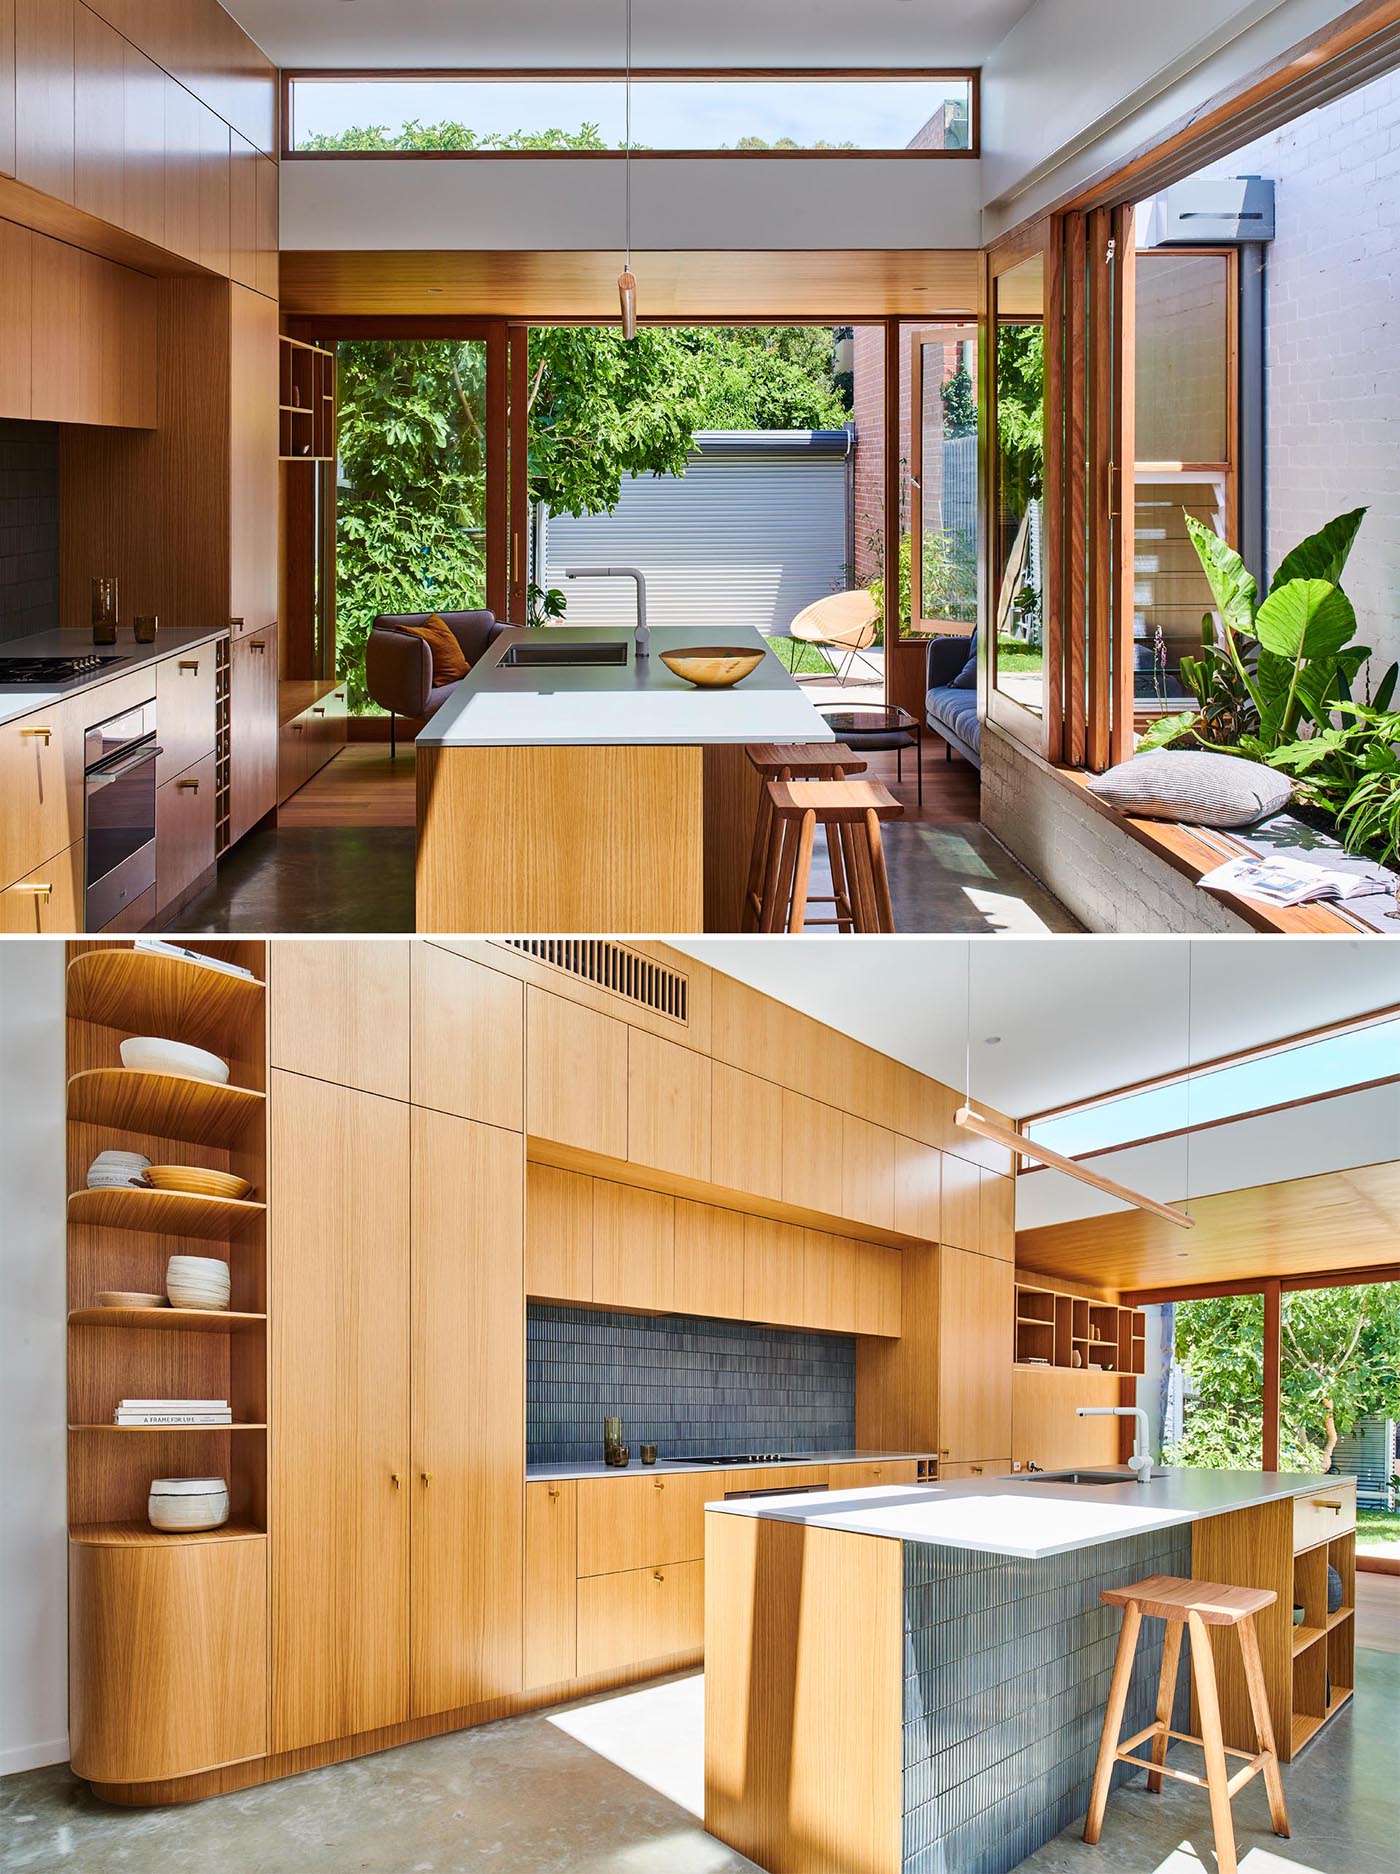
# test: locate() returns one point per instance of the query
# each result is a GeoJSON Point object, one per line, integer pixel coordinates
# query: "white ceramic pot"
{"type": "Point", "coordinates": [183, 1503]}
{"type": "Point", "coordinates": [151, 1054]}
{"type": "Point", "coordinates": [111, 1170]}
{"type": "Point", "coordinates": [197, 1282]}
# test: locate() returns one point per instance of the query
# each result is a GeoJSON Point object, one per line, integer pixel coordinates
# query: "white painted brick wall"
{"type": "Point", "coordinates": [1333, 339]}
{"type": "Point", "coordinates": [1107, 879]}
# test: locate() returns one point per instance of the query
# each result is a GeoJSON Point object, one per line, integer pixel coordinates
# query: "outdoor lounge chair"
{"type": "Point", "coordinates": [846, 623]}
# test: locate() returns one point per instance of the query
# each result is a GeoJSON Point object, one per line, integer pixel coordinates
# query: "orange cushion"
{"type": "Point", "coordinates": [449, 662]}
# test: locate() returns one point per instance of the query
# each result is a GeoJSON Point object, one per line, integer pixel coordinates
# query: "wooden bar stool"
{"type": "Point", "coordinates": [852, 810]}
{"type": "Point", "coordinates": [1195, 1605]}
{"type": "Point", "coordinates": [792, 761]}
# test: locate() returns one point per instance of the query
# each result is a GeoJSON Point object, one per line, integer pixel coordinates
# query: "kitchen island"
{"type": "Point", "coordinates": [596, 796]}
{"type": "Point", "coordinates": [908, 1681]}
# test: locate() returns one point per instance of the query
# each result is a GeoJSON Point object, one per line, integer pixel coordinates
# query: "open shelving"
{"type": "Point", "coordinates": [1053, 1327]}
{"type": "Point", "coordinates": [1324, 1646]}
{"type": "Point", "coordinates": [306, 402]}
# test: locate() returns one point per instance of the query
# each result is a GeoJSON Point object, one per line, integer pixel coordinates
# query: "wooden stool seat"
{"type": "Point", "coordinates": [1168, 1597]}
{"type": "Point", "coordinates": [851, 812]}
{"type": "Point", "coordinates": [792, 761]}
{"type": "Point", "coordinates": [1193, 1606]}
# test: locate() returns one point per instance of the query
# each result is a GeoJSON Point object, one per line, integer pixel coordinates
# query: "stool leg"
{"type": "Point", "coordinates": [802, 877]}
{"type": "Point", "coordinates": [1213, 1743]}
{"type": "Point", "coordinates": [1263, 1722]}
{"type": "Point", "coordinates": [753, 891]}
{"type": "Point", "coordinates": [863, 885]}
{"type": "Point", "coordinates": [1113, 1720]}
{"type": "Point", "coordinates": [1166, 1698]}
{"type": "Point", "coordinates": [782, 898]}
{"type": "Point", "coordinates": [768, 909]}
{"type": "Point", "coordinates": [881, 878]}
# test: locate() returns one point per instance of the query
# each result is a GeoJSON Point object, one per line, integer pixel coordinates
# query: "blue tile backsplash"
{"type": "Point", "coordinates": [687, 1385]}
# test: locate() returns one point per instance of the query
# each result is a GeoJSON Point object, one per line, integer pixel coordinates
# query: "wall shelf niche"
{"type": "Point", "coordinates": [1053, 1327]}
{"type": "Point", "coordinates": [306, 402]}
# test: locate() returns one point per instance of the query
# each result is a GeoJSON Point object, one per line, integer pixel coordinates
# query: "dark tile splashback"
{"type": "Point", "coordinates": [687, 1385]}
{"type": "Point", "coordinates": [28, 529]}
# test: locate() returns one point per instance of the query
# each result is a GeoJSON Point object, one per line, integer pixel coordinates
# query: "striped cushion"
{"type": "Point", "coordinates": [1198, 789]}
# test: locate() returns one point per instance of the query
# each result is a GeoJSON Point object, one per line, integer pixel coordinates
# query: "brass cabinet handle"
{"type": "Point", "coordinates": [37, 891]}
{"type": "Point", "coordinates": [1335, 1508]}
{"type": "Point", "coordinates": [427, 1478]}
{"type": "Point", "coordinates": [46, 733]}
{"type": "Point", "coordinates": [189, 663]}
{"type": "Point", "coordinates": [943, 1452]}
{"type": "Point", "coordinates": [395, 1479]}
{"type": "Point", "coordinates": [976, 1469]}
{"type": "Point", "coordinates": [193, 786]}
{"type": "Point", "coordinates": [318, 709]}
{"type": "Point", "coordinates": [554, 1493]}
{"type": "Point", "coordinates": [256, 644]}
{"type": "Point", "coordinates": [658, 1576]}
{"type": "Point", "coordinates": [234, 623]}
{"type": "Point", "coordinates": [657, 1484]}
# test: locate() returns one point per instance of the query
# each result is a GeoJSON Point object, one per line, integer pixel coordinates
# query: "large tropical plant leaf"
{"type": "Point", "coordinates": [1166, 731]}
{"type": "Point", "coordinates": [1323, 555]}
{"type": "Point", "coordinates": [1232, 585]}
{"type": "Point", "coordinates": [1306, 618]}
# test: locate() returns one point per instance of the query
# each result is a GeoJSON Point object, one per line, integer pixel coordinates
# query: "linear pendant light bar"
{"type": "Point", "coordinates": [1015, 1141]}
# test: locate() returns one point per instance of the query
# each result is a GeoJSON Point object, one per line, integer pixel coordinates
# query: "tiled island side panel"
{"type": "Point", "coordinates": [1006, 1672]}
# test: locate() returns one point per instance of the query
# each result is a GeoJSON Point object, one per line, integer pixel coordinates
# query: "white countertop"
{"type": "Point", "coordinates": [20, 700]}
{"type": "Point", "coordinates": [637, 704]}
{"type": "Point", "coordinates": [1011, 1516]}
{"type": "Point", "coordinates": [555, 1473]}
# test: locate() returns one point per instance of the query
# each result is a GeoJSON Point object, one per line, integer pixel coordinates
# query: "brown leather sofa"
{"type": "Point", "coordinates": [399, 666]}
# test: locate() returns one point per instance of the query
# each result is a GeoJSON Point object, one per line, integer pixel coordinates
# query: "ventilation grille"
{"type": "Point", "coordinates": [613, 967]}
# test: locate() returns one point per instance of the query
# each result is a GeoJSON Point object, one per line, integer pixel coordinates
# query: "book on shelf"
{"type": "Point", "coordinates": [162, 947]}
{"type": "Point", "coordinates": [173, 1418]}
{"type": "Point", "coordinates": [172, 1405]}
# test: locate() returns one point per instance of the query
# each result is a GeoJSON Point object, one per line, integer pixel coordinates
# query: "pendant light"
{"type": "Point", "coordinates": [998, 1132]}
{"type": "Point", "coordinates": [627, 280]}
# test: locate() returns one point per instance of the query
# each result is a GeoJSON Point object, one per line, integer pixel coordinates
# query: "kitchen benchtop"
{"type": "Point", "coordinates": [23, 700]}
{"type": "Point", "coordinates": [555, 1473]}
{"type": "Point", "coordinates": [1031, 1519]}
{"type": "Point", "coordinates": [640, 703]}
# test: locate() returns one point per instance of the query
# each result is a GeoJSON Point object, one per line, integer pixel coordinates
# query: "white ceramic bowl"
{"type": "Point", "coordinates": [183, 1503]}
{"type": "Point", "coordinates": [109, 1170]}
{"type": "Point", "coordinates": [197, 1282]}
{"type": "Point", "coordinates": [151, 1054]}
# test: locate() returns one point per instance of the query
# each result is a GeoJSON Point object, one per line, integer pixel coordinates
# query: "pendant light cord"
{"type": "Point", "coordinates": [627, 135]}
{"type": "Point", "coordinates": [967, 1036]}
{"type": "Point", "coordinates": [1190, 1051]}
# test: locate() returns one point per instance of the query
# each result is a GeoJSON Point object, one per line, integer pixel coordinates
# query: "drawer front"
{"type": "Point", "coordinates": [184, 831]}
{"type": "Point", "coordinates": [184, 710]}
{"type": "Point", "coordinates": [296, 756]}
{"type": "Point", "coordinates": [1324, 1514]}
{"type": "Point", "coordinates": [860, 1476]}
{"type": "Point", "coordinates": [47, 903]}
{"type": "Point", "coordinates": [41, 790]}
{"type": "Point", "coordinates": [645, 1614]}
{"type": "Point", "coordinates": [643, 1522]}
{"type": "Point", "coordinates": [983, 1467]}
{"type": "Point", "coordinates": [779, 1477]}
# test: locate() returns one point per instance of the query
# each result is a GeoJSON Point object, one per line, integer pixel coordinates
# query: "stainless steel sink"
{"type": "Point", "coordinates": [1074, 1477]}
{"type": "Point", "coordinates": [526, 656]}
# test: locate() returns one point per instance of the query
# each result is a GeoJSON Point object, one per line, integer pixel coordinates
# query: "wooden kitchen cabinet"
{"type": "Point", "coordinates": [558, 1234]}
{"type": "Point", "coordinates": [244, 162]}
{"type": "Point", "coordinates": [50, 901]}
{"type": "Point", "coordinates": [7, 89]}
{"type": "Point", "coordinates": [748, 1132]}
{"type": "Point", "coordinates": [551, 1583]}
{"type": "Point", "coordinates": [184, 832]}
{"type": "Point", "coordinates": [775, 1272]}
{"type": "Point", "coordinates": [975, 1309]}
{"type": "Point", "coordinates": [812, 1147]}
{"type": "Point", "coordinates": [879, 1289]}
{"type": "Point", "coordinates": [340, 1011]}
{"type": "Point", "coordinates": [468, 1038]}
{"type": "Point", "coordinates": [44, 95]}
{"type": "Point", "coordinates": [668, 1106]}
{"type": "Point", "coordinates": [268, 187]}
{"type": "Point", "coordinates": [829, 1281]}
{"type": "Point", "coordinates": [143, 146]}
{"type": "Point", "coordinates": [709, 1262]}
{"type": "Point", "coordinates": [867, 1172]}
{"type": "Point", "coordinates": [16, 316]}
{"type": "Point", "coordinates": [918, 1185]}
{"type": "Point", "coordinates": [92, 339]}
{"type": "Point", "coordinates": [872, 1472]}
{"type": "Point", "coordinates": [642, 1521]}
{"type": "Point", "coordinates": [759, 1479]}
{"type": "Point", "coordinates": [633, 1248]}
{"type": "Point", "coordinates": [253, 473]}
{"type": "Point", "coordinates": [962, 1203]}
{"type": "Point", "coordinates": [185, 710]}
{"type": "Point", "coordinates": [467, 1360]}
{"type": "Point", "coordinates": [575, 1075]}
{"type": "Point", "coordinates": [252, 730]}
{"type": "Point", "coordinates": [41, 789]}
{"type": "Point", "coordinates": [183, 114]}
{"type": "Point", "coordinates": [214, 198]}
{"type": "Point", "coordinates": [997, 1216]}
{"type": "Point", "coordinates": [99, 118]}
{"type": "Point", "coordinates": [987, 1467]}
{"type": "Point", "coordinates": [340, 1488]}
{"type": "Point", "coordinates": [645, 1614]}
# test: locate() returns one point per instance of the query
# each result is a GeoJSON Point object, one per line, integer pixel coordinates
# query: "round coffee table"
{"type": "Point", "coordinates": [880, 728]}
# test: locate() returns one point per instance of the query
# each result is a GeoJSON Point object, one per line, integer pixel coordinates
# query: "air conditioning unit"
{"type": "Point", "coordinates": [1213, 211]}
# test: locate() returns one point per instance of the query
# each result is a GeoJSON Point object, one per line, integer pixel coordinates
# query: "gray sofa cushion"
{"type": "Point", "coordinates": [956, 710]}
{"type": "Point", "coordinates": [1196, 788]}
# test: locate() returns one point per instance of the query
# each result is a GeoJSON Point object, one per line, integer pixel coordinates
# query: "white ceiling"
{"type": "Point", "coordinates": [557, 34]}
{"type": "Point", "coordinates": [1076, 1015]}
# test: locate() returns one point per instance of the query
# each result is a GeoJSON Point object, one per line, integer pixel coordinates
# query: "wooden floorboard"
{"type": "Point", "coordinates": [363, 787]}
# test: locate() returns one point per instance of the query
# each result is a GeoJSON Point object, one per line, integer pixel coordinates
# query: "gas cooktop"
{"type": "Point", "coordinates": [740, 1457]}
{"type": "Point", "coordinates": [39, 672]}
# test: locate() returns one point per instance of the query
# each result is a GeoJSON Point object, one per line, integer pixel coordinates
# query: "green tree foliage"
{"type": "Point", "coordinates": [453, 136]}
{"type": "Point", "coordinates": [959, 404]}
{"type": "Point", "coordinates": [1340, 1363]}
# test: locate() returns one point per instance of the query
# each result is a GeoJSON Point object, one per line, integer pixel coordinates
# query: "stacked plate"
{"type": "Point", "coordinates": [177, 1503]}
{"type": "Point", "coordinates": [152, 1054]}
{"type": "Point", "coordinates": [197, 1282]}
{"type": "Point", "coordinates": [196, 1181]}
{"type": "Point", "coordinates": [113, 1170]}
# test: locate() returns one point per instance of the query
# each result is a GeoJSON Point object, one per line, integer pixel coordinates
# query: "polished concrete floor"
{"type": "Point", "coordinates": [613, 1786]}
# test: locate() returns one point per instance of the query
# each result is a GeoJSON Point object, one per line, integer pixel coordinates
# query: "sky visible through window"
{"type": "Point", "coordinates": [1304, 1072]}
{"type": "Point", "coordinates": [705, 115]}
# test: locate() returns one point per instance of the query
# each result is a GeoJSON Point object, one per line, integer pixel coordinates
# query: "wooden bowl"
{"type": "Point", "coordinates": [128, 1298]}
{"type": "Point", "coordinates": [196, 1181]}
{"type": "Point", "coordinates": [713, 667]}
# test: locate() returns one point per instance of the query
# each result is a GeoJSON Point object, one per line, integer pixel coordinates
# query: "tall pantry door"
{"type": "Point", "coordinates": [468, 1485]}
{"type": "Point", "coordinates": [339, 1488]}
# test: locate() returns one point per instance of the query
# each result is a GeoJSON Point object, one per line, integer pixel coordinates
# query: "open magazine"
{"type": "Point", "coordinates": [1282, 881]}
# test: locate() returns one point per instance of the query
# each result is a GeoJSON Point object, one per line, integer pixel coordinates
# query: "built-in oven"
{"type": "Point", "coordinates": [119, 816]}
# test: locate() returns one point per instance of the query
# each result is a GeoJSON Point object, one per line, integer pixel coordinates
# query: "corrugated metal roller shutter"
{"type": "Point", "coordinates": [747, 536]}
